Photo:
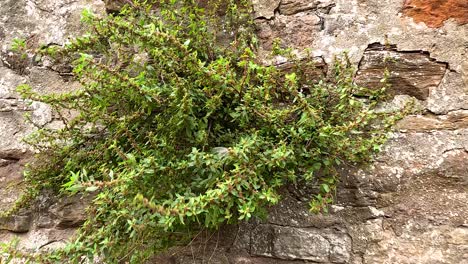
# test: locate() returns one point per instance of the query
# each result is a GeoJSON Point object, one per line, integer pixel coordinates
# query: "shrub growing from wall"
{"type": "Point", "coordinates": [173, 132]}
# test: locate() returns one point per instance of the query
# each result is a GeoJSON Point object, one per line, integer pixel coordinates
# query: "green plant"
{"type": "Point", "coordinates": [18, 45]}
{"type": "Point", "coordinates": [172, 132]}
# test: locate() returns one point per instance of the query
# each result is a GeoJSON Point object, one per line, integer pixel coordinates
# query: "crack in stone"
{"type": "Point", "coordinates": [50, 242]}
{"type": "Point", "coordinates": [37, 5]}
{"type": "Point", "coordinates": [454, 149]}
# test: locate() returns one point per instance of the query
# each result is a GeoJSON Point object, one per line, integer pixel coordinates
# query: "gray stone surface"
{"type": "Point", "coordinates": [265, 8]}
{"type": "Point", "coordinates": [290, 243]}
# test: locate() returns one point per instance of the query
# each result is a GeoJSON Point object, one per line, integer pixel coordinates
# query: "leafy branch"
{"type": "Point", "coordinates": [174, 133]}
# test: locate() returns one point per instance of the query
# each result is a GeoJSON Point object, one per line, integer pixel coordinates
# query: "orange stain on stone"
{"type": "Point", "coordinates": [435, 12]}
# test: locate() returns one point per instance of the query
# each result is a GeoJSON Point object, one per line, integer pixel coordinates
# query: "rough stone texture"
{"type": "Point", "coordinates": [452, 121]}
{"type": "Point", "coordinates": [291, 7]}
{"type": "Point", "coordinates": [409, 206]}
{"type": "Point", "coordinates": [319, 245]}
{"type": "Point", "coordinates": [435, 12]}
{"type": "Point", "coordinates": [411, 73]}
{"type": "Point", "coordinates": [300, 29]}
{"type": "Point", "coordinates": [316, 70]}
{"type": "Point", "coordinates": [68, 212]}
{"type": "Point", "coordinates": [17, 224]}
{"type": "Point", "coordinates": [450, 95]}
{"type": "Point", "coordinates": [114, 5]}
{"type": "Point", "coordinates": [265, 8]}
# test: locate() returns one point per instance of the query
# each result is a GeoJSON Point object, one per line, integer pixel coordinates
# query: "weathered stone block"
{"type": "Point", "coordinates": [70, 212]}
{"type": "Point", "coordinates": [294, 213]}
{"type": "Point", "coordinates": [450, 95]}
{"type": "Point", "coordinates": [265, 8]}
{"type": "Point", "coordinates": [300, 243]}
{"type": "Point", "coordinates": [413, 73]}
{"type": "Point", "coordinates": [115, 5]}
{"type": "Point", "coordinates": [454, 164]}
{"type": "Point", "coordinates": [298, 30]}
{"type": "Point", "coordinates": [316, 68]}
{"type": "Point", "coordinates": [291, 7]}
{"type": "Point", "coordinates": [17, 223]}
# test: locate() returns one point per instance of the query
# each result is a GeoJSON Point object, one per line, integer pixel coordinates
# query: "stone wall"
{"type": "Point", "coordinates": [409, 206]}
{"type": "Point", "coordinates": [49, 22]}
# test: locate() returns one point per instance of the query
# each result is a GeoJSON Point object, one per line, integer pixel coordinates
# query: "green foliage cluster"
{"type": "Point", "coordinates": [172, 132]}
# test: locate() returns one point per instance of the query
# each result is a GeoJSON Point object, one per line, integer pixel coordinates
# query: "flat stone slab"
{"type": "Point", "coordinates": [413, 73]}
{"type": "Point", "coordinates": [316, 245]}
